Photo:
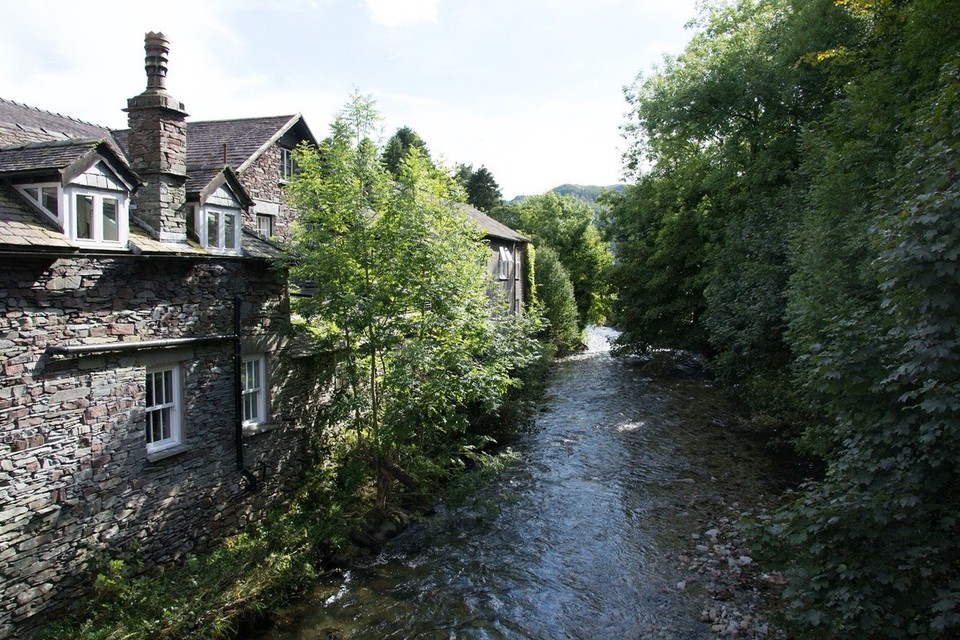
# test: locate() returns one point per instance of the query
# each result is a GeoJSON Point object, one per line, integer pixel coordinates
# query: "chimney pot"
{"type": "Point", "coordinates": [157, 54]}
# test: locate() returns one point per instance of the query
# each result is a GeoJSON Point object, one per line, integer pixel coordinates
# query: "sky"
{"type": "Point", "coordinates": [531, 89]}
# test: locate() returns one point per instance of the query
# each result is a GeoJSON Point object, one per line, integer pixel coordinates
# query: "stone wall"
{"type": "Point", "coordinates": [75, 478]}
{"type": "Point", "coordinates": [263, 182]}
{"type": "Point", "coordinates": [157, 150]}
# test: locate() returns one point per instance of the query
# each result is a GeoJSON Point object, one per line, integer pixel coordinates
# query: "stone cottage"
{"type": "Point", "coordinates": [145, 340]}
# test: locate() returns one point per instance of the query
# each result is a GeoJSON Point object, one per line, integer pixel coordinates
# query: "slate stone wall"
{"type": "Point", "coordinates": [262, 180]}
{"type": "Point", "coordinates": [75, 478]}
{"type": "Point", "coordinates": [157, 150]}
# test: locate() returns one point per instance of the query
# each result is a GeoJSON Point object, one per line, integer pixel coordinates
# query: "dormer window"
{"type": "Point", "coordinates": [96, 217]}
{"type": "Point", "coordinates": [88, 216]}
{"type": "Point", "coordinates": [218, 229]}
{"type": "Point", "coordinates": [288, 165]}
{"type": "Point", "coordinates": [46, 197]}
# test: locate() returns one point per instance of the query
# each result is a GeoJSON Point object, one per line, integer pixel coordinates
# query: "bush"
{"type": "Point", "coordinates": [559, 308]}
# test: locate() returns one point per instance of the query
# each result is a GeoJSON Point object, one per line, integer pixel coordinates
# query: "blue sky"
{"type": "Point", "coordinates": [532, 89]}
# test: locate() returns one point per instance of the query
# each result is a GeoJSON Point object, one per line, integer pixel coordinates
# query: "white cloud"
{"type": "Point", "coordinates": [395, 13]}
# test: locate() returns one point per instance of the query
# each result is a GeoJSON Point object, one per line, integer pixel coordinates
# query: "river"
{"type": "Point", "coordinates": [579, 539]}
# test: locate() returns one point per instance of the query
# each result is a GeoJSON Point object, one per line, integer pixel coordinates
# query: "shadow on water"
{"type": "Point", "coordinates": [573, 542]}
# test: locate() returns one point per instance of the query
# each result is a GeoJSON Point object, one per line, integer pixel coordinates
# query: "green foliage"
{"type": "Point", "coordinates": [659, 273]}
{"type": "Point", "coordinates": [566, 225]}
{"type": "Point", "coordinates": [482, 189]}
{"type": "Point", "coordinates": [206, 595]}
{"type": "Point", "coordinates": [795, 216]}
{"type": "Point", "coordinates": [400, 271]}
{"type": "Point", "coordinates": [873, 548]}
{"type": "Point", "coordinates": [703, 238]}
{"type": "Point", "coordinates": [399, 145]}
{"type": "Point", "coordinates": [557, 303]}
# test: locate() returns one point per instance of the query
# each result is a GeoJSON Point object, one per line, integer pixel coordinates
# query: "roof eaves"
{"type": "Point", "coordinates": [273, 139]}
{"type": "Point", "coordinates": [226, 175]}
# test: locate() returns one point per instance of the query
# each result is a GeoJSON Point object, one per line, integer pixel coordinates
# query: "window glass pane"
{"type": "Point", "coordinates": [265, 225]}
{"type": "Point", "coordinates": [32, 192]}
{"type": "Point", "coordinates": [229, 230]}
{"type": "Point", "coordinates": [49, 200]}
{"type": "Point", "coordinates": [85, 217]}
{"type": "Point", "coordinates": [150, 401]}
{"type": "Point", "coordinates": [162, 425]}
{"type": "Point", "coordinates": [250, 407]}
{"type": "Point", "coordinates": [213, 229]}
{"type": "Point", "coordinates": [287, 166]}
{"type": "Point", "coordinates": [111, 227]}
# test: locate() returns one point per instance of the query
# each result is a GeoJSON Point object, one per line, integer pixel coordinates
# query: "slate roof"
{"type": "Point", "coordinates": [245, 139]}
{"type": "Point", "coordinates": [33, 140]}
{"type": "Point", "coordinates": [20, 227]}
{"type": "Point", "coordinates": [21, 124]}
{"type": "Point", "coordinates": [59, 155]}
{"type": "Point", "coordinates": [35, 156]}
{"type": "Point", "coordinates": [491, 227]}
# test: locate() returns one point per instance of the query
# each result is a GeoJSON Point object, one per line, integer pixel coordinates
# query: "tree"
{"type": "Point", "coordinates": [872, 550]}
{"type": "Point", "coordinates": [557, 302]}
{"type": "Point", "coordinates": [483, 192]}
{"type": "Point", "coordinates": [565, 224]}
{"type": "Point", "coordinates": [399, 273]}
{"type": "Point", "coordinates": [717, 146]}
{"type": "Point", "coordinates": [795, 214]}
{"type": "Point", "coordinates": [399, 145]}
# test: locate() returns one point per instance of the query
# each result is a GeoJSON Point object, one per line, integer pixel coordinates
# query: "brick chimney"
{"type": "Point", "coordinates": [157, 148]}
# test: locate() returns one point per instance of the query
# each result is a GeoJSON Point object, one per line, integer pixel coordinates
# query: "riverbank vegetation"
{"type": "Point", "coordinates": [572, 259]}
{"type": "Point", "coordinates": [401, 273]}
{"type": "Point", "coordinates": [794, 216]}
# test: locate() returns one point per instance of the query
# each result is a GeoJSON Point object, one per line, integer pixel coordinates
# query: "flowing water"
{"type": "Point", "coordinates": [576, 540]}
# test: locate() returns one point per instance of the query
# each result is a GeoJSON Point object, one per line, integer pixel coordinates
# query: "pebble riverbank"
{"type": "Point", "coordinates": [732, 590]}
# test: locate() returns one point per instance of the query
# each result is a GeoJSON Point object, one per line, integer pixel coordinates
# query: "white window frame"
{"type": "Point", "coordinates": [271, 219]}
{"type": "Point", "coordinates": [218, 244]}
{"type": "Point", "coordinates": [503, 263]}
{"type": "Point", "coordinates": [66, 215]}
{"type": "Point", "coordinates": [288, 166]}
{"type": "Point", "coordinates": [56, 216]}
{"type": "Point", "coordinates": [169, 408]}
{"type": "Point", "coordinates": [254, 396]}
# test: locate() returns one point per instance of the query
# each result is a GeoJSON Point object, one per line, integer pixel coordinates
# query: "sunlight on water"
{"type": "Point", "coordinates": [574, 541]}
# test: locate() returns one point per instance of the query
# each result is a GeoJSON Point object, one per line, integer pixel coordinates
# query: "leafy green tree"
{"type": "Point", "coordinates": [795, 215]}
{"type": "Point", "coordinates": [556, 301]}
{"type": "Point", "coordinates": [566, 225]}
{"type": "Point", "coordinates": [705, 243]}
{"type": "Point", "coordinates": [658, 276]}
{"type": "Point", "coordinates": [399, 145]}
{"type": "Point", "coordinates": [483, 192]}
{"type": "Point", "coordinates": [872, 551]}
{"type": "Point", "coordinates": [400, 274]}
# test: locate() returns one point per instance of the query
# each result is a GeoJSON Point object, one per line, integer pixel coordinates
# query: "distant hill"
{"type": "Point", "coordinates": [587, 193]}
